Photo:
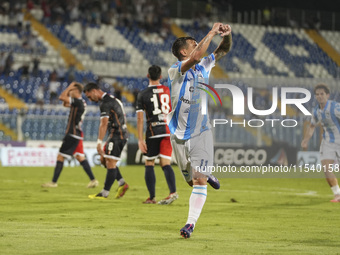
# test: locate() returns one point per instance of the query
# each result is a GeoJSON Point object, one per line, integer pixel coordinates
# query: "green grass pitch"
{"type": "Point", "coordinates": [271, 216]}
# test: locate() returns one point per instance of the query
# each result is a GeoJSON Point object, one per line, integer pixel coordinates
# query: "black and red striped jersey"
{"type": "Point", "coordinates": [155, 102]}
{"type": "Point", "coordinates": [112, 108]}
{"type": "Point", "coordinates": [75, 118]}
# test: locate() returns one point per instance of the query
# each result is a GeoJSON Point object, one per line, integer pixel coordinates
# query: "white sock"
{"type": "Point", "coordinates": [196, 203]}
{"type": "Point", "coordinates": [121, 182]}
{"type": "Point", "coordinates": [105, 193]}
{"type": "Point", "coordinates": [336, 190]}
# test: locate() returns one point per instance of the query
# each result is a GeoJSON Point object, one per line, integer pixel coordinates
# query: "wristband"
{"type": "Point", "coordinates": [99, 141]}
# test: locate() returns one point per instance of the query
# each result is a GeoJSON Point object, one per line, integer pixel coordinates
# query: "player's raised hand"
{"type": "Point", "coordinates": [225, 30]}
{"type": "Point", "coordinates": [217, 28]}
{"type": "Point", "coordinates": [142, 146]}
{"type": "Point", "coordinates": [72, 84]}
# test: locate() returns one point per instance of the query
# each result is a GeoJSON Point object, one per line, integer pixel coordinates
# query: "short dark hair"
{"type": "Point", "coordinates": [90, 86]}
{"type": "Point", "coordinates": [179, 44]}
{"type": "Point", "coordinates": [79, 87]}
{"type": "Point", "coordinates": [322, 86]}
{"type": "Point", "coordinates": [154, 72]}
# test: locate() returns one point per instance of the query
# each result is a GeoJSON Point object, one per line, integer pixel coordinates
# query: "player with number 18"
{"type": "Point", "coordinates": [155, 102]}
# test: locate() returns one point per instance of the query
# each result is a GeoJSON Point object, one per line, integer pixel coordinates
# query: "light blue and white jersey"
{"type": "Point", "coordinates": [329, 118]}
{"type": "Point", "coordinates": [186, 119]}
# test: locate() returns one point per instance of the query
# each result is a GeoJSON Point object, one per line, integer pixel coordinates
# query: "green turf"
{"type": "Point", "coordinates": [271, 216]}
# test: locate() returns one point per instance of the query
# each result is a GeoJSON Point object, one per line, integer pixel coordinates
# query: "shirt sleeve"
{"type": "Point", "coordinates": [314, 120]}
{"type": "Point", "coordinates": [74, 101]}
{"type": "Point", "coordinates": [104, 111]}
{"type": "Point", "coordinates": [208, 62]}
{"type": "Point", "coordinates": [175, 70]}
{"type": "Point", "coordinates": [139, 103]}
{"type": "Point", "coordinates": [337, 110]}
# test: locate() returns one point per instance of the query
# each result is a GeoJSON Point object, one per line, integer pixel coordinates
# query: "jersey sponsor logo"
{"type": "Point", "coordinates": [157, 123]}
{"type": "Point", "coordinates": [187, 101]}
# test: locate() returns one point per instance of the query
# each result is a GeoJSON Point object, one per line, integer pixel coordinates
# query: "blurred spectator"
{"type": "Point", "coordinates": [164, 8]}
{"type": "Point", "coordinates": [200, 21]}
{"type": "Point", "coordinates": [139, 14]}
{"type": "Point", "coordinates": [29, 5]}
{"type": "Point", "coordinates": [293, 23]}
{"type": "Point", "coordinates": [53, 87]}
{"type": "Point", "coordinates": [3, 18]}
{"type": "Point", "coordinates": [40, 95]}
{"type": "Point", "coordinates": [83, 32]}
{"type": "Point", "coordinates": [95, 16]}
{"type": "Point", "coordinates": [208, 9]}
{"type": "Point", "coordinates": [100, 41]}
{"type": "Point", "coordinates": [28, 27]}
{"type": "Point", "coordinates": [12, 20]}
{"type": "Point", "coordinates": [74, 11]}
{"type": "Point", "coordinates": [106, 17]}
{"type": "Point", "coordinates": [30, 42]}
{"type": "Point", "coordinates": [24, 70]}
{"type": "Point", "coordinates": [313, 23]}
{"type": "Point", "coordinates": [58, 13]}
{"type": "Point", "coordinates": [9, 63]}
{"type": "Point", "coordinates": [316, 23]}
{"type": "Point", "coordinates": [20, 19]}
{"type": "Point", "coordinates": [46, 8]}
{"type": "Point", "coordinates": [2, 61]}
{"type": "Point", "coordinates": [165, 30]}
{"type": "Point", "coordinates": [118, 4]}
{"type": "Point", "coordinates": [126, 19]}
{"type": "Point", "coordinates": [61, 73]}
{"type": "Point", "coordinates": [71, 73]}
{"type": "Point", "coordinates": [35, 69]}
{"type": "Point", "coordinates": [266, 16]}
{"type": "Point", "coordinates": [4, 6]}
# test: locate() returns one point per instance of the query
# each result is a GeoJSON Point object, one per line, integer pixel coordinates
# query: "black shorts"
{"type": "Point", "coordinates": [113, 148]}
{"type": "Point", "coordinates": [71, 146]}
{"type": "Point", "coordinates": [158, 147]}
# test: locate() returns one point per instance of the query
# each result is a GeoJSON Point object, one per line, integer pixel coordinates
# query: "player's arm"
{"type": "Point", "coordinates": [65, 97]}
{"type": "Point", "coordinates": [309, 133]}
{"type": "Point", "coordinates": [337, 110]}
{"type": "Point", "coordinates": [140, 124]}
{"type": "Point", "coordinates": [225, 45]}
{"type": "Point", "coordinates": [201, 48]}
{"type": "Point", "coordinates": [101, 133]}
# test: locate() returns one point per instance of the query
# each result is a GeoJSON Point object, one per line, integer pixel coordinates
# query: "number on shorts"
{"type": "Point", "coordinates": [110, 147]}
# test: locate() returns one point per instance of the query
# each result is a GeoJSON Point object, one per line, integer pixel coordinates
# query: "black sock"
{"type": "Point", "coordinates": [170, 178]}
{"type": "Point", "coordinates": [85, 164]}
{"type": "Point", "coordinates": [150, 180]}
{"type": "Point", "coordinates": [110, 178]}
{"type": "Point", "coordinates": [119, 175]}
{"type": "Point", "coordinates": [57, 170]}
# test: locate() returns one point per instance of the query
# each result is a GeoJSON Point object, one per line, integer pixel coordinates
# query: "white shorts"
{"type": "Point", "coordinates": [194, 155]}
{"type": "Point", "coordinates": [329, 151]}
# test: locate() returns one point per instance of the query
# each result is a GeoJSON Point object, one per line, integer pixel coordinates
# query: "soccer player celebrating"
{"type": "Point", "coordinates": [191, 135]}
{"type": "Point", "coordinates": [155, 101]}
{"type": "Point", "coordinates": [326, 113]}
{"type": "Point", "coordinates": [73, 140]}
{"type": "Point", "coordinates": [112, 120]}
